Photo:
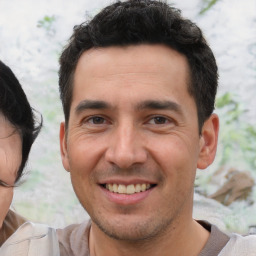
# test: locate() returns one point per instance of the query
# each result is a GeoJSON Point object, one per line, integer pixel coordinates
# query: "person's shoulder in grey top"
{"type": "Point", "coordinates": [74, 241]}
{"type": "Point", "coordinates": [216, 241]}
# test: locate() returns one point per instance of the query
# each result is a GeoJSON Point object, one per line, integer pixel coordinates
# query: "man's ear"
{"type": "Point", "coordinates": [63, 146]}
{"type": "Point", "coordinates": [208, 142]}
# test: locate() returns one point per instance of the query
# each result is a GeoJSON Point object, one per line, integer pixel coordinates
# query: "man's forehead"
{"type": "Point", "coordinates": [133, 62]}
{"type": "Point", "coordinates": [128, 55]}
{"type": "Point", "coordinates": [151, 67]}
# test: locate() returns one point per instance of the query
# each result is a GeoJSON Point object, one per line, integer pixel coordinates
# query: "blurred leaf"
{"type": "Point", "coordinates": [251, 131]}
{"type": "Point", "coordinates": [224, 100]}
{"type": "Point", "coordinates": [207, 4]}
{"type": "Point", "coordinates": [237, 137]}
{"type": "Point", "coordinates": [47, 24]}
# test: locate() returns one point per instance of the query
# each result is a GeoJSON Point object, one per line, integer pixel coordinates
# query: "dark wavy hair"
{"type": "Point", "coordinates": [137, 22]}
{"type": "Point", "coordinates": [17, 110]}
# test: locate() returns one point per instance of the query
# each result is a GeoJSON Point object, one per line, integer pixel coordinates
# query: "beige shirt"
{"type": "Point", "coordinates": [11, 223]}
{"type": "Point", "coordinates": [27, 239]}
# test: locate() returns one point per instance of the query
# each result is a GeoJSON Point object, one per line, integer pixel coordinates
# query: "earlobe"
{"type": "Point", "coordinates": [63, 147]}
{"type": "Point", "coordinates": [208, 142]}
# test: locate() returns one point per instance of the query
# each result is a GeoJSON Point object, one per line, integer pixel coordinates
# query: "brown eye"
{"type": "Point", "coordinates": [96, 120]}
{"type": "Point", "coordinates": [160, 120]}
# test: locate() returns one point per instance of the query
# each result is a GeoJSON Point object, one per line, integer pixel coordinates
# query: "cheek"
{"type": "Point", "coordinates": [6, 195]}
{"type": "Point", "coordinates": [85, 155]}
{"type": "Point", "coordinates": [82, 162]}
{"type": "Point", "coordinates": [175, 150]}
{"type": "Point", "coordinates": [177, 157]}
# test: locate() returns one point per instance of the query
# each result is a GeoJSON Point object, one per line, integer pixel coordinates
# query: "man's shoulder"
{"type": "Point", "coordinates": [73, 239]}
{"type": "Point", "coordinates": [240, 245]}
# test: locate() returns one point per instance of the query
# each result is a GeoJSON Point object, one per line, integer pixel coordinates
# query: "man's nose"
{"type": "Point", "coordinates": [126, 147]}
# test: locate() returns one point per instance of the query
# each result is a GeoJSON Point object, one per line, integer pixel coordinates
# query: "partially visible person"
{"type": "Point", "coordinates": [18, 130]}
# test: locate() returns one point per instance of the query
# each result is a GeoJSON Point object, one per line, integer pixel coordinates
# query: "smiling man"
{"type": "Point", "coordinates": [138, 85]}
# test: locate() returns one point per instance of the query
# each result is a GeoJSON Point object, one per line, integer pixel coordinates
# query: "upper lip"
{"type": "Point", "coordinates": [126, 181]}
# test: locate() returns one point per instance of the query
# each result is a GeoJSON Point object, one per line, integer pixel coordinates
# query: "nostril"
{"type": "Point", "coordinates": [124, 159]}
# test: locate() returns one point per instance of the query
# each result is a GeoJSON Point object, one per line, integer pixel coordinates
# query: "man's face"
{"type": "Point", "coordinates": [133, 145]}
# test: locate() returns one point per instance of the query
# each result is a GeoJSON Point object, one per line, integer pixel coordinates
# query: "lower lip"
{"type": "Point", "coordinates": [125, 199]}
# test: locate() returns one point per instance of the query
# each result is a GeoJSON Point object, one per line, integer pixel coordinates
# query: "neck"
{"type": "Point", "coordinates": [172, 240]}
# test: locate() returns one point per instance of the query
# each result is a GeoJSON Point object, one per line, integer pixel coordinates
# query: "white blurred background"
{"type": "Point", "coordinates": [32, 34]}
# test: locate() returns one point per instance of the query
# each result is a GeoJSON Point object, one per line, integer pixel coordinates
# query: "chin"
{"type": "Point", "coordinates": [133, 231]}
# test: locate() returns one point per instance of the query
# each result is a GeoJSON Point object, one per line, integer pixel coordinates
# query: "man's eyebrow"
{"type": "Point", "coordinates": [154, 104]}
{"type": "Point", "coordinates": [91, 104]}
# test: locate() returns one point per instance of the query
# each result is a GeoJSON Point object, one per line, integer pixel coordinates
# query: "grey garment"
{"type": "Point", "coordinates": [240, 246]}
{"type": "Point", "coordinates": [222, 245]}
{"type": "Point", "coordinates": [74, 241]}
{"type": "Point", "coordinates": [216, 241]}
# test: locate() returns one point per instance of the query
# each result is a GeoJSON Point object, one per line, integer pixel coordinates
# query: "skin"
{"type": "Point", "coordinates": [10, 160]}
{"type": "Point", "coordinates": [132, 120]}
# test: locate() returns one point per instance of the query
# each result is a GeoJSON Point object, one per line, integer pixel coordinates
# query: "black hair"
{"type": "Point", "coordinates": [17, 110]}
{"type": "Point", "coordinates": [137, 22]}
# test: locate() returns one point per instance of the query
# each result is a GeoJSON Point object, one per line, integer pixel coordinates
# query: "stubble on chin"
{"type": "Point", "coordinates": [135, 231]}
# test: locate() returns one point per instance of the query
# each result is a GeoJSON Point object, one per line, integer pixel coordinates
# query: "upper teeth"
{"type": "Point", "coordinates": [129, 189]}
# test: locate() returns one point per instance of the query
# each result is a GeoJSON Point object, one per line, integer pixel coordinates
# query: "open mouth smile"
{"type": "Point", "coordinates": [127, 189]}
